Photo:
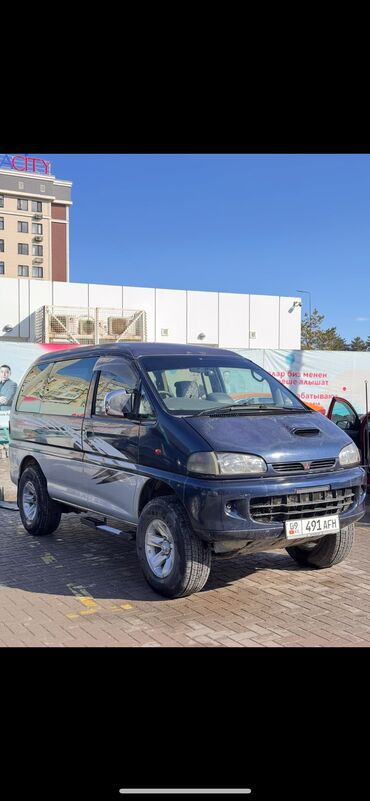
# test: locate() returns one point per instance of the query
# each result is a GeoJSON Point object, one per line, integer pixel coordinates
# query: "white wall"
{"type": "Point", "coordinates": [109, 297]}
{"type": "Point", "coordinates": [264, 321]}
{"type": "Point", "coordinates": [171, 315]}
{"type": "Point", "coordinates": [290, 324]}
{"type": "Point", "coordinates": [70, 294]}
{"type": "Point", "coordinates": [234, 320]}
{"type": "Point", "coordinates": [9, 309]}
{"type": "Point", "coordinates": [142, 298]}
{"type": "Point", "coordinates": [203, 317]}
{"type": "Point", "coordinates": [225, 318]}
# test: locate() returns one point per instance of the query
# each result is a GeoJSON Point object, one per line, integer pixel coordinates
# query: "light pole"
{"type": "Point", "coordinates": [306, 292]}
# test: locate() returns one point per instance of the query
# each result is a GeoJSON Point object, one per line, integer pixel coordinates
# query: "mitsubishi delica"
{"type": "Point", "coordinates": [195, 452]}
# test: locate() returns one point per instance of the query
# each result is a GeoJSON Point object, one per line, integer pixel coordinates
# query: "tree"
{"type": "Point", "coordinates": [310, 330]}
{"type": "Point", "coordinates": [358, 344]}
{"type": "Point", "coordinates": [313, 337]}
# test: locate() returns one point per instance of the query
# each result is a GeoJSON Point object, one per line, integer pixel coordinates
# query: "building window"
{"type": "Point", "coordinates": [37, 272]}
{"type": "Point", "coordinates": [1, 246]}
{"type": "Point", "coordinates": [2, 201]}
{"type": "Point", "coordinates": [23, 249]}
{"type": "Point", "coordinates": [22, 205]}
{"type": "Point", "coordinates": [37, 228]}
{"type": "Point", "coordinates": [1, 223]}
{"type": "Point", "coordinates": [37, 250]}
{"type": "Point", "coordinates": [2, 268]}
{"type": "Point", "coordinates": [36, 205]}
{"type": "Point", "coordinates": [22, 227]}
{"type": "Point", "coordinates": [23, 270]}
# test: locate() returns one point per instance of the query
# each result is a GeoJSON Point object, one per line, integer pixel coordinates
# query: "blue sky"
{"type": "Point", "coordinates": [265, 224]}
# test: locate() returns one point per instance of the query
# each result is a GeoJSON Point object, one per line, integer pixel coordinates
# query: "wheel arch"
{"type": "Point", "coordinates": [155, 488]}
{"type": "Point", "coordinates": [28, 461]}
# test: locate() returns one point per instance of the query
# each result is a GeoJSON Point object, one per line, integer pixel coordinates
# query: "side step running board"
{"type": "Point", "coordinates": [98, 524]}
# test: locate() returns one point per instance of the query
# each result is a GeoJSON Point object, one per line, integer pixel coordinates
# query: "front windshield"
{"type": "Point", "coordinates": [192, 384]}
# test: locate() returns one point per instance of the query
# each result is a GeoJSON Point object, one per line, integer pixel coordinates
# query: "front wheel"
{"type": "Point", "coordinates": [40, 515]}
{"type": "Point", "coordinates": [327, 551]}
{"type": "Point", "coordinates": [174, 560]}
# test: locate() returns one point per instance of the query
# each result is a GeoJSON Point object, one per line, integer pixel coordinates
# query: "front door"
{"type": "Point", "coordinates": [365, 444]}
{"type": "Point", "coordinates": [111, 444]}
{"type": "Point", "coordinates": [343, 414]}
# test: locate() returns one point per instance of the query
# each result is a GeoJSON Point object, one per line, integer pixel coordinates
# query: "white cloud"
{"type": "Point", "coordinates": [362, 319]}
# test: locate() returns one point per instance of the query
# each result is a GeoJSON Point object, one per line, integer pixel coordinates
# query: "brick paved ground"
{"type": "Point", "coordinates": [83, 588]}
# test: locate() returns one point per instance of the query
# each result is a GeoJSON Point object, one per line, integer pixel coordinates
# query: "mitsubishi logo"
{"type": "Point", "coordinates": [306, 465]}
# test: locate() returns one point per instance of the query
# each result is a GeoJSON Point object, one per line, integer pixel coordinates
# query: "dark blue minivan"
{"type": "Point", "coordinates": [196, 452]}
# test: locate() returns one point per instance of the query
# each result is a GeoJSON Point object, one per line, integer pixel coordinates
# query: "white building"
{"type": "Point", "coordinates": [59, 312]}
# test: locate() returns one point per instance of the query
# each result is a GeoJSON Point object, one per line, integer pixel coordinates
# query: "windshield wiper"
{"type": "Point", "coordinates": [248, 407]}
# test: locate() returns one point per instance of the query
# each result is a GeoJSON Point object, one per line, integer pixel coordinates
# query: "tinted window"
{"type": "Point", "coordinates": [344, 416]}
{"type": "Point", "coordinates": [29, 398]}
{"type": "Point", "coordinates": [115, 374]}
{"type": "Point", "coordinates": [67, 387]}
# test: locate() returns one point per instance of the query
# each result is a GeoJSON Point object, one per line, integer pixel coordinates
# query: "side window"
{"type": "Point", "coordinates": [145, 407]}
{"type": "Point", "coordinates": [29, 398]}
{"type": "Point", "coordinates": [115, 373]}
{"type": "Point", "coordinates": [67, 387]}
{"type": "Point", "coordinates": [344, 416]}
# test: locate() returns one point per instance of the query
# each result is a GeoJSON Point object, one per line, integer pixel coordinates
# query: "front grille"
{"type": "Point", "coordinates": [298, 467]}
{"type": "Point", "coordinates": [278, 508]}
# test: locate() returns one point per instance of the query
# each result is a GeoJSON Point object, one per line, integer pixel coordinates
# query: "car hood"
{"type": "Point", "coordinates": [276, 437]}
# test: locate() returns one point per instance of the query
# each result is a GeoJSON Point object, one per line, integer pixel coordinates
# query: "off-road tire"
{"type": "Point", "coordinates": [192, 557]}
{"type": "Point", "coordinates": [327, 552]}
{"type": "Point", "coordinates": [48, 512]}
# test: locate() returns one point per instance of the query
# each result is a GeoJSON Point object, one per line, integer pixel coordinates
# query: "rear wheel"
{"type": "Point", "coordinates": [40, 515]}
{"type": "Point", "coordinates": [174, 560]}
{"type": "Point", "coordinates": [327, 551]}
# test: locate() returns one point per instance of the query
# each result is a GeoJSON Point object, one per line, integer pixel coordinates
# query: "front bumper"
{"type": "Point", "coordinates": [220, 510]}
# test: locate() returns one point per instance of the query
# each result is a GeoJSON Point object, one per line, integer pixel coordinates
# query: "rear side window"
{"type": "Point", "coordinates": [67, 387]}
{"type": "Point", "coordinates": [29, 398]}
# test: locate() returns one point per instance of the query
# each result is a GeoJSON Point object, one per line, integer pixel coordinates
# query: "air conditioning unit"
{"type": "Point", "coordinates": [61, 324]}
{"type": "Point", "coordinates": [37, 216]}
{"type": "Point", "coordinates": [117, 325]}
{"type": "Point", "coordinates": [58, 323]}
{"type": "Point", "coordinates": [37, 260]}
{"type": "Point", "coordinates": [38, 238]}
{"type": "Point", "coordinates": [86, 327]}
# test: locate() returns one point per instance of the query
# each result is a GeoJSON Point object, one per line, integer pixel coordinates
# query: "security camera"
{"type": "Point", "coordinates": [297, 303]}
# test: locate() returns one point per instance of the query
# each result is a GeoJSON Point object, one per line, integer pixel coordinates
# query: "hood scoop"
{"type": "Point", "coordinates": [306, 432]}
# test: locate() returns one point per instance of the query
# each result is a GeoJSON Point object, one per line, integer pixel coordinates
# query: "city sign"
{"type": "Point", "coordinates": [25, 164]}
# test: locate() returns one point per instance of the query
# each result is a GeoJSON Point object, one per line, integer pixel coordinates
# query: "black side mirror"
{"type": "Point", "coordinates": [119, 402]}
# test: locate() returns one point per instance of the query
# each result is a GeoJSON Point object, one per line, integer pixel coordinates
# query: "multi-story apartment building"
{"type": "Point", "coordinates": [34, 220]}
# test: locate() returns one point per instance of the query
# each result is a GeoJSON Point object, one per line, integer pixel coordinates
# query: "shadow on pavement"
{"type": "Point", "coordinates": [76, 560]}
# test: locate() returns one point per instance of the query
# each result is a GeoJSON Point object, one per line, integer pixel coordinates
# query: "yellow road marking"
{"type": "Point", "coordinates": [86, 601]}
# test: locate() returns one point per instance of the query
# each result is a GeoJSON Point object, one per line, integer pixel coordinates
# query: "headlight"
{"type": "Point", "coordinates": [350, 455]}
{"type": "Point", "coordinates": [226, 464]}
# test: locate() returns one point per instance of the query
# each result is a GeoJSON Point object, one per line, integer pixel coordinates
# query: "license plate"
{"type": "Point", "coordinates": [295, 529]}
